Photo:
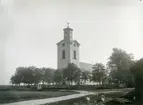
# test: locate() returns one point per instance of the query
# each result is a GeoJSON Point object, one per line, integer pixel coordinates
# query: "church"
{"type": "Point", "coordinates": [68, 51]}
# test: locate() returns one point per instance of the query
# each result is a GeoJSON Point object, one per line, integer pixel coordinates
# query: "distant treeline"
{"type": "Point", "coordinates": [117, 71]}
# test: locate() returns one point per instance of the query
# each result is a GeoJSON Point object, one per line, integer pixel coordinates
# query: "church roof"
{"type": "Point", "coordinates": [73, 41]}
{"type": "Point", "coordinates": [68, 29]}
{"type": "Point", "coordinates": [86, 66]}
{"type": "Point", "coordinates": [60, 42]}
{"type": "Point", "coordinates": [76, 42]}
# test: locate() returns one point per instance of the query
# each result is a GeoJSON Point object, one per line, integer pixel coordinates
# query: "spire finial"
{"type": "Point", "coordinates": [68, 25]}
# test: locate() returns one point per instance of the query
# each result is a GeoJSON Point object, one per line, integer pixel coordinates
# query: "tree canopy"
{"type": "Point", "coordinates": [31, 75]}
{"type": "Point", "coordinates": [72, 73]}
{"type": "Point", "coordinates": [119, 63]}
{"type": "Point", "coordinates": [98, 73]}
{"type": "Point", "coordinates": [137, 71]}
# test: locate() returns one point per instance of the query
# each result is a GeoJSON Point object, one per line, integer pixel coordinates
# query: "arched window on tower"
{"type": "Point", "coordinates": [63, 54]}
{"type": "Point", "coordinates": [74, 54]}
{"type": "Point", "coordinates": [63, 44]}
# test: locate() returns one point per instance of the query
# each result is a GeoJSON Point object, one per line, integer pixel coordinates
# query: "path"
{"type": "Point", "coordinates": [56, 99]}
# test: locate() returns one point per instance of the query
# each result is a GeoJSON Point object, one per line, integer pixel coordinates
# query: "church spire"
{"type": "Point", "coordinates": [68, 25]}
{"type": "Point", "coordinates": [68, 33]}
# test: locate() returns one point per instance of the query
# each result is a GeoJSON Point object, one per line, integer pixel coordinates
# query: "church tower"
{"type": "Point", "coordinates": [67, 49]}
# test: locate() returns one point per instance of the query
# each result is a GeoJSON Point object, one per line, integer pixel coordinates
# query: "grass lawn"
{"type": "Point", "coordinates": [14, 96]}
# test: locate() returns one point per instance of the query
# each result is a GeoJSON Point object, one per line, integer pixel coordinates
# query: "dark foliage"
{"type": "Point", "coordinates": [119, 64]}
{"type": "Point", "coordinates": [137, 71]}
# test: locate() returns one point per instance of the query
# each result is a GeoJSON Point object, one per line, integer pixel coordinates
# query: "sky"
{"type": "Point", "coordinates": [30, 29]}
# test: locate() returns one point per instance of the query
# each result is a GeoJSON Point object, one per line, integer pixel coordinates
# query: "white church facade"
{"type": "Point", "coordinates": [68, 51]}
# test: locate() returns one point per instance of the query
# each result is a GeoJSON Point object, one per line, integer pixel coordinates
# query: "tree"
{"type": "Point", "coordinates": [72, 73]}
{"type": "Point", "coordinates": [18, 77]}
{"type": "Point", "coordinates": [98, 73]}
{"type": "Point", "coordinates": [58, 77]}
{"type": "Point", "coordinates": [36, 75]}
{"type": "Point", "coordinates": [31, 75]}
{"type": "Point", "coordinates": [27, 75]}
{"type": "Point", "coordinates": [119, 64]}
{"type": "Point", "coordinates": [137, 71]}
{"type": "Point", "coordinates": [47, 75]}
{"type": "Point", "coordinates": [85, 75]}
{"type": "Point", "coordinates": [15, 80]}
